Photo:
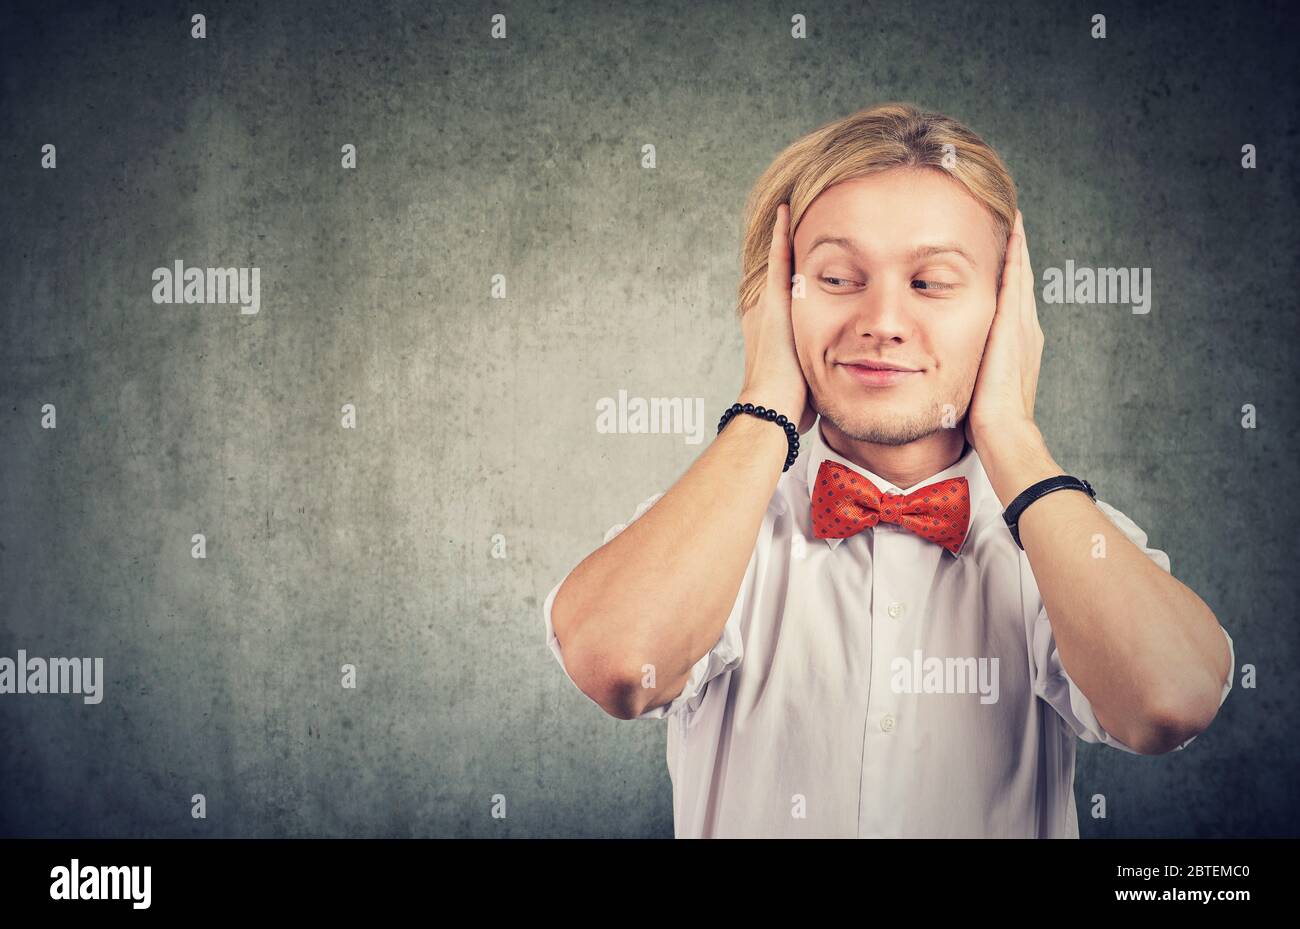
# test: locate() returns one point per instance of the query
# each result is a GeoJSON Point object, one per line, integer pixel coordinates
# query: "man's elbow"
{"type": "Point", "coordinates": [1173, 722]}
{"type": "Point", "coordinates": [605, 681]}
{"type": "Point", "coordinates": [625, 699]}
{"type": "Point", "coordinates": [620, 697]}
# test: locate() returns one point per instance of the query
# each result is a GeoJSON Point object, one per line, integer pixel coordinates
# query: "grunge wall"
{"type": "Point", "coordinates": [417, 546]}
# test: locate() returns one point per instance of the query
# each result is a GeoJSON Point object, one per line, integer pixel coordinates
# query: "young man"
{"type": "Point", "coordinates": [858, 645]}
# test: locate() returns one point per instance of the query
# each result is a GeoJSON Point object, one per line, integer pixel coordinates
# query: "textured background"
{"type": "Point", "coordinates": [477, 416]}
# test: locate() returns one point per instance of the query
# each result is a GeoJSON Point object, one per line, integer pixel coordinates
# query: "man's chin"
{"type": "Point", "coordinates": [887, 437]}
{"type": "Point", "coordinates": [900, 429]}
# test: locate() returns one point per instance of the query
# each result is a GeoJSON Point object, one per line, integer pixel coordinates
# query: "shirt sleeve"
{"type": "Point", "coordinates": [1058, 689]}
{"type": "Point", "coordinates": [724, 655]}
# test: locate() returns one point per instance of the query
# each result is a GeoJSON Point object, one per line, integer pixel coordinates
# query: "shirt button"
{"type": "Point", "coordinates": [896, 609]}
{"type": "Point", "coordinates": [887, 722]}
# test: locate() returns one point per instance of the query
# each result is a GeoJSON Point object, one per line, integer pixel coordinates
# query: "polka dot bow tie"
{"type": "Point", "coordinates": [844, 503]}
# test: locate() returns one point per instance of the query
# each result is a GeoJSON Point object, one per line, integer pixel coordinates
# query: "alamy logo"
{"type": "Point", "coordinates": [55, 676]}
{"type": "Point", "coordinates": [103, 882]}
{"type": "Point", "coordinates": [935, 675]}
{"type": "Point", "coordinates": [674, 415]}
{"type": "Point", "coordinates": [179, 284]}
{"type": "Point", "coordinates": [1098, 285]}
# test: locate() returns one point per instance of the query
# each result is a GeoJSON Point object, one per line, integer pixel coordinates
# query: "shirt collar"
{"type": "Point", "coordinates": [967, 466]}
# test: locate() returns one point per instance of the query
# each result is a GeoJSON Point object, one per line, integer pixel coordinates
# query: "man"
{"type": "Point", "coordinates": [858, 645]}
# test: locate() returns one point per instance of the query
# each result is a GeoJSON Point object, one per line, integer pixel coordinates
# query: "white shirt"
{"type": "Point", "coordinates": [803, 721]}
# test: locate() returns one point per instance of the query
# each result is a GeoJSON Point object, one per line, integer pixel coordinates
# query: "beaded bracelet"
{"type": "Point", "coordinates": [791, 430]}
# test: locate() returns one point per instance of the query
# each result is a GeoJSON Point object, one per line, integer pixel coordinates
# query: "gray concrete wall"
{"type": "Point", "coordinates": [476, 416]}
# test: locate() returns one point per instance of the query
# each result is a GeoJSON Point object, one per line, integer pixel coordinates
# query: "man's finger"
{"type": "Point", "coordinates": [1028, 301]}
{"type": "Point", "coordinates": [1010, 274]}
{"type": "Point", "coordinates": [1008, 256]}
{"type": "Point", "coordinates": [778, 255]}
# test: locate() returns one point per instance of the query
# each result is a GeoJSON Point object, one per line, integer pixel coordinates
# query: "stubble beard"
{"type": "Point", "coordinates": [865, 425]}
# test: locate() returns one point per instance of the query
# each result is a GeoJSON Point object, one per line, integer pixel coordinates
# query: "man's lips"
{"type": "Point", "coordinates": [877, 376]}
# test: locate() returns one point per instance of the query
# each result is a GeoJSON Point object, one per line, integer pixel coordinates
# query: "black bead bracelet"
{"type": "Point", "coordinates": [791, 430]}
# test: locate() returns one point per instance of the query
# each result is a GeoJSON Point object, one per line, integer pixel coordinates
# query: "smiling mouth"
{"type": "Point", "coordinates": [877, 377]}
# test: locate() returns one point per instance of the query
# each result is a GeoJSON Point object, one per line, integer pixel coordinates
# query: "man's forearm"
{"type": "Point", "coordinates": [1147, 652]}
{"type": "Point", "coordinates": [660, 592]}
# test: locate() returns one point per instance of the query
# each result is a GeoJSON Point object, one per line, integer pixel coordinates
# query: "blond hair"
{"type": "Point", "coordinates": [872, 140]}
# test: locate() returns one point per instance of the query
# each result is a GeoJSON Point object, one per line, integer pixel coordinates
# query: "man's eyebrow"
{"type": "Point", "coordinates": [921, 251]}
{"type": "Point", "coordinates": [926, 251]}
{"type": "Point", "coordinates": [842, 241]}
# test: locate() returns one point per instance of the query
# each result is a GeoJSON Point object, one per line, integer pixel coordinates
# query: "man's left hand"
{"type": "Point", "coordinates": [1003, 401]}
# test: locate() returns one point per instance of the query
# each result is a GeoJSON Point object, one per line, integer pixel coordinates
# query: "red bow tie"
{"type": "Point", "coordinates": [844, 503]}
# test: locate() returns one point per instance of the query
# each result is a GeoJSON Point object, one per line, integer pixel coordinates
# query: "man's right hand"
{"type": "Point", "coordinates": [662, 591]}
{"type": "Point", "coordinates": [773, 377]}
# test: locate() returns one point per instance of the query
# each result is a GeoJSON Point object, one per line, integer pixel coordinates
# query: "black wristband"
{"type": "Point", "coordinates": [1011, 515]}
{"type": "Point", "coordinates": [791, 430]}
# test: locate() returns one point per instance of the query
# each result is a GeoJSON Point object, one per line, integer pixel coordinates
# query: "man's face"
{"type": "Point", "coordinates": [893, 290]}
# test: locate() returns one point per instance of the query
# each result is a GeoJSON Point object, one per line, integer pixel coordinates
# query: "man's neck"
{"type": "Point", "coordinates": [901, 465]}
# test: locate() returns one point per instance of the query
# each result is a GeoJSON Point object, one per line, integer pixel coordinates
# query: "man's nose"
{"type": "Point", "coordinates": [881, 312]}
